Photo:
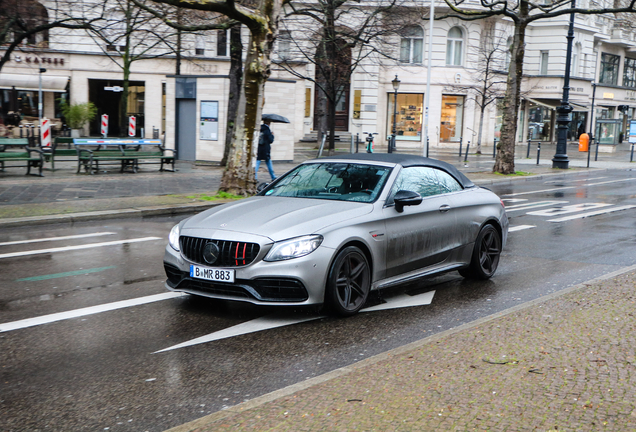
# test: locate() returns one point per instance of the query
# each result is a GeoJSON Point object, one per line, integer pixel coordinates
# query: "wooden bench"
{"type": "Point", "coordinates": [62, 149]}
{"type": "Point", "coordinates": [18, 150]}
{"type": "Point", "coordinates": [127, 153]}
{"type": "Point", "coordinates": [148, 151]}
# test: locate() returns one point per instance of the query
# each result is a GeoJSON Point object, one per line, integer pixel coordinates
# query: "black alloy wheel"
{"type": "Point", "coordinates": [486, 255]}
{"type": "Point", "coordinates": [349, 282]}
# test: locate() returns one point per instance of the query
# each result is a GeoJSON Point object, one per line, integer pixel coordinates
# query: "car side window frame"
{"type": "Point", "coordinates": [442, 176]}
{"type": "Point", "coordinates": [396, 185]}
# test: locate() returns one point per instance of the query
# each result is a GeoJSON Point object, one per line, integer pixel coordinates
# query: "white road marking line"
{"type": "Point", "coordinates": [594, 213]}
{"type": "Point", "coordinates": [520, 228]}
{"type": "Point", "coordinates": [47, 319]}
{"type": "Point", "coordinates": [541, 191]}
{"type": "Point", "coordinates": [272, 321]}
{"type": "Point", "coordinates": [512, 200]}
{"type": "Point", "coordinates": [56, 238]}
{"type": "Point", "coordinates": [402, 301]}
{"type": "Point", "coordinates": [77, 247]}
{"type": "Point", "coordinates": [259, 324]}
{"type": "Point", "coordinates": [568, 209]}
{"type": "Point", "coordinates": [538, 204]}
{"type": "Point", "coordinates": [569, 187]}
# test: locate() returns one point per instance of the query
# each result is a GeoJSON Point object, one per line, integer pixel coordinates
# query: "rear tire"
{"type": "Point", "coordinates": [486, 253]}
{"type": "Point", "coordinates": [348, 283]}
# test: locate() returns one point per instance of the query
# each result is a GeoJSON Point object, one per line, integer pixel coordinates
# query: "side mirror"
{"type": "Point", "coordinates": [261, 186]}
{"type": "Point", "coordinates": [406, 198]}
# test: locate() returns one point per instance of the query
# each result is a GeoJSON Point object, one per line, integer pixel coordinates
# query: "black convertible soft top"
{"type": "Point", "coordinates": [405, 160]}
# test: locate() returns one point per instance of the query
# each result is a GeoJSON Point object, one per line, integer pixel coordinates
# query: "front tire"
{"type": "Point", "coordinates": [348, 283]}
{"type": "Point", "coordinates": [486, 253]}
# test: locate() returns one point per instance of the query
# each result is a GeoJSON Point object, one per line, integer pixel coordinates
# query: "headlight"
{"type": "Point", "coordinates": [293, 248]}
{"type": "Point", "coordinates": [173, 238]}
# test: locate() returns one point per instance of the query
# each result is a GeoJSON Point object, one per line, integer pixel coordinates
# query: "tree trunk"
{"type": "Point", "coordinates": [236, 78]}
{"type": "Point", "coordinates": [238, 177]}
{"type": "Point", "coordinates": [505, 161]}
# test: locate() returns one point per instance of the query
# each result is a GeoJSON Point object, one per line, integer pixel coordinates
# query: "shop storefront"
{"type": "Point", "coordinates": [408, 117]}
{"type": "Point", "coordinates": [450, 129]}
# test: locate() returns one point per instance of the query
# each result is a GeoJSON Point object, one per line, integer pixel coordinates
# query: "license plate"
{"type": "Point", "coordinates": [211, 274]}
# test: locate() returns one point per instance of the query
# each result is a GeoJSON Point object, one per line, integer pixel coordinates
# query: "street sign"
{"type": "Point", "coordinates": [632, 131]}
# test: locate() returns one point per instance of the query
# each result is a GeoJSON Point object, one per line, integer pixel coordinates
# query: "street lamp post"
{"type": "Point", "coordinates": [396, 86]}
{"type": "Point", "coordinates": [560, 159]}
{"type": "Point", "coordinates": [42, 70]}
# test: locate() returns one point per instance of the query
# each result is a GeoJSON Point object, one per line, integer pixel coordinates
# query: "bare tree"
{"type": "Point", "coordinates": [261, 18]}
{"type": "Point", "coordinates": [27, 23]}
{"type": "Point", "coordinates": [337, 37]}
{"type": "Point", "coordinates": [521, 13]}
{"type": "Point", "coordinates": [486, 68]}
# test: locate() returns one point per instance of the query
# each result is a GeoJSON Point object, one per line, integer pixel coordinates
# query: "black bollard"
{"type": "Point", "coordinates": [538, 152]}
{"type": "Point", "coordinates": [460, 146]}
{"type": "Point", "coordinates": [631, 159]}
{"type": "Point", "coordinates": [494, 150]}
{"type": "Point", "coordinates": [589, 150]}
{"type": "Point", "coordinates": [467, 147]}
{"type": "Point", "coordinates": [528, 153]}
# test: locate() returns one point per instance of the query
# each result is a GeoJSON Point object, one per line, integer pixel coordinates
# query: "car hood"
{"type": "Point", "coordinates": [278, 218]}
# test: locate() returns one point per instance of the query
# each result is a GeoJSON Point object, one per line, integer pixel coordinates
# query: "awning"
{"type": "Point", "coordinates": [555, 103]}
{"type": "Point", "coordinates": [50, 83]}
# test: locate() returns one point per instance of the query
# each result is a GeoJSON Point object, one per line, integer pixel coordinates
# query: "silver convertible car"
{"type": "Point", "coordinates": [333, 229]}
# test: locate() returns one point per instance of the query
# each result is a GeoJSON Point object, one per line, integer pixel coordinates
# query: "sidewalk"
{"type": "Point", "coordinates": [564, 362]}
{"type": "Point", "coordinates": [66, 197]}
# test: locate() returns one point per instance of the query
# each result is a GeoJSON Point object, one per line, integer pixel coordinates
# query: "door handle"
{"type": "Point", "coordinates": [444, 208]}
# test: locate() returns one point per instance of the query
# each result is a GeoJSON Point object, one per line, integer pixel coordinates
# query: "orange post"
{"type": "Point", "coordinates": [584, 141]}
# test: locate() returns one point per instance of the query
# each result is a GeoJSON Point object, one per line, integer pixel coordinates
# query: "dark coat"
{"type": "Point", "coordinates": [264, 143]}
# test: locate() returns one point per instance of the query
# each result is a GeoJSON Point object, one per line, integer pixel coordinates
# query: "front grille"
{"type": "Point", "coordinates": [232, 254]}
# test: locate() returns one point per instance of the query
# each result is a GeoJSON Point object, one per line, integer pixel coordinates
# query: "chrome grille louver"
{"type": "Point", "coordinates": [232, 253]}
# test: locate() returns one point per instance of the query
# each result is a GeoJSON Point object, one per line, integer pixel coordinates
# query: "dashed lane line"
{"type": "Point", "coordinates": [71, 237]}
{"type": "Point", "coordinates": [520, 228]}
{"type": "Point", "coordinates": [77, 247]}
{"type": "Point", "coordinates": [47, 319]}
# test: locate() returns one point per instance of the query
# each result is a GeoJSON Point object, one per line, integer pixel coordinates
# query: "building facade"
{"type": "Point", "coordinates": [188, 109]}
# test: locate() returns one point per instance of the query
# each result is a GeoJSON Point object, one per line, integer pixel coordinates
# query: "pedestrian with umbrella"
{"type": "Point", "coordinates": [265, 141]}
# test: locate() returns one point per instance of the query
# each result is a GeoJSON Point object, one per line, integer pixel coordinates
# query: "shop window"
{"type": "Point", "coordinates": [609, 69]}
{"type": "Point", "coordinates": [411, 44]}
{"type": "Point", "coordinates": [629, 74]}
{"type": "Point", "coordinates": [454, 47]}
{"type": "Point", "coordinates": [408, 123]}
{"type": "Point", "coordinates": [539, 123]}
{"type": "Point", "coordinates": [450, 129]}
{"type": "Point", "coordinates": [577, 126]}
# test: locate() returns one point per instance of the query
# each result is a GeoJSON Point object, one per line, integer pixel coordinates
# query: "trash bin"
{"type": "Point", "coordinates": [584, 141]}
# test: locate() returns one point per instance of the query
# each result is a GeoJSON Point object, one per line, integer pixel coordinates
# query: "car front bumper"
{"type": "Point", "coordinates": [294, 282]}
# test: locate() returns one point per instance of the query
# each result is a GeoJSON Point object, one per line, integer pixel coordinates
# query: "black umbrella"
{"type": "Point", "coordinates": [275, 118]}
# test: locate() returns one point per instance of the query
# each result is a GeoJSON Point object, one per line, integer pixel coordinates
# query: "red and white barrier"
{"type": "Point", "coordinates": [132, 126]}
{"type": "Point", "coordinates": [104, 125]}
{"type": "Point", "coordinates": [45, 130]}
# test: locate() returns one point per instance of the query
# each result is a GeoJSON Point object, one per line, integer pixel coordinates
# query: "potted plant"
{"type": "Point", "coordinates": [77, 115]}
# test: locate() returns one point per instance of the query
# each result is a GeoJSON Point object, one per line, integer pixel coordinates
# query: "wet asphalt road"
{"type": "Point", "coordinates": [101, 370]}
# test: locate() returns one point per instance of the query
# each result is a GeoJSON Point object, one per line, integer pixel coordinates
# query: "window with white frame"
{"type": "Point", "coordinates": [284, 44]}
{"type": "Point", "coordinates": [576, 59]}
{"type": "Point", "coordinates": [411, 44]}
{"type": "Point", "coordinates": [223, 43]}
{"type": "Point", "coordinates": [454, 47]}
{"type": "Point", "coordinates": [508, 54]}
{"type": "Point", "coordinates": [609, 69]}
{"type": "Point", "coordinates": [199, 45]}
{"type": "Point", "coordinates": [543, 62]}
{"type": "Point", "coordinates": [629, 73]}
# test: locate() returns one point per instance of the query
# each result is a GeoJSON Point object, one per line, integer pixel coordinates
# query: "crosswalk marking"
{"type": "Point", "coordinates": [527, 206]}
{"type": "Point", "coordinates": [78, 236]}
{"type": "Point", "coordinates": [520, 228]}
{"type": "Point", "coordinates": [594, 213]}
{"type": "Point", "coordinates": [77, 247]}
{"type": "Point", "coordinates": [568, 209]}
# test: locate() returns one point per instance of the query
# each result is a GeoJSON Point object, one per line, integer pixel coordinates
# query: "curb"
{"type": "Point", "coordinates": [200, 424]}
{"type": "Point", "coordinates": [139, 213]}
{"type": "Point", "coordinates": [168, 210]}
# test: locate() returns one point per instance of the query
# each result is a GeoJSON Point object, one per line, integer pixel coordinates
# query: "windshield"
{"type": "Point", "coordinates": [335, 181]}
